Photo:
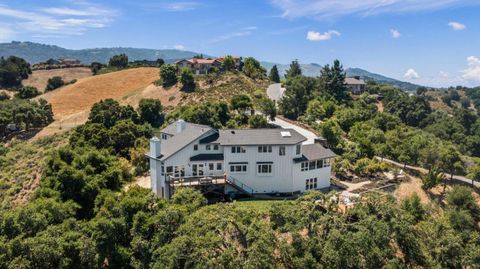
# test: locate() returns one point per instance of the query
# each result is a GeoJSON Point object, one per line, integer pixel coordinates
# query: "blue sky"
{"type": "Point", "coordinates": [430, 42]}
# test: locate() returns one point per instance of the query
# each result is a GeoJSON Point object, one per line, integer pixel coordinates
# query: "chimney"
{"type": "Point", "coordinates": [356, 77]}
{"type": "Point", "coordinates": [181, 124]}
{"type": "Point", "coordinates": [155, 147]}
{"type": "Point", "coordinates": [322, 141]}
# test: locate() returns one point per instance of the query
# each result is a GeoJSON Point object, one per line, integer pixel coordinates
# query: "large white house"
{"type": "Point", "coordinates": [253, 161]}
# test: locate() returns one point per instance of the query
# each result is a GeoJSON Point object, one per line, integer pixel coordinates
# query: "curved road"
{"type": "Point", "coordinates": [275, 91]}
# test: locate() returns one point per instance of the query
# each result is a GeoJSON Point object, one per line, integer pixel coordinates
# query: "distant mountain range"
{"type": "Point", "coordinates": [35, 52]}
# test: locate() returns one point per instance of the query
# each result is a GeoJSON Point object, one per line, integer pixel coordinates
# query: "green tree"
{"type": "Point", "coordinates": [332, 81]}
{"type": "Point", "coordinates": [109, 111]}
{"type": "Point", "coordinates": [331, 131]}
{"type": "Point", "coordinates": [257, 121]}
{"type": "Point", "coordinates": [150, 110]}
{"type": "Point", "coordinates": [299, 90]}
{"type": "Point", "coordinates": [253, 69]}
{"type": "Point", "coordinates": [187, 79]}
{"type": "Point", "coordinates": [13, 70]}
{"type": "Point", "coordinates": [119, 61]}
{"type": "Point", "coordinates": [294, 70]}
{"type": "Point", "coordinates": [268, 107]}
{"type": "Point", "coordinates": [168, 74]}
{"type": "Point", "coordinates": [27, 92]}
{"type": "Point", "coordinates": [474, 173]}
{"type": "Point", "coordinates": [450, 162]}
{"type": "Point", "coordinates": [241, 103]}
{"type": "Point", "coordinates": [274, 76]}
{"type": "Point", "coordinates": [228, 63]}
{"type": "Point", "coordinates": [54, 83]}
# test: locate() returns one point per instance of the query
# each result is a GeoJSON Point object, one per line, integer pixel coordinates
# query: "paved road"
{"type": "Point", "coordinates": [287, 125]}
{"type": "Point", "coordinates": [423, 170]}
{"type": "Point", "coordinates": [275, 91]}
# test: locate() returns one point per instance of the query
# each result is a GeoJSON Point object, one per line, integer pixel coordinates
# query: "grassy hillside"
{"type": "Point", "coordinates": [34, 53]}
{"type": "Point", "coordinates": [39, 78]}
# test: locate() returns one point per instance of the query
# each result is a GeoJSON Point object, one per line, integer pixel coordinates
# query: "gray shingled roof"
{"type": "Point", "coordinates": [259, 137]}
{"type": "Point", "coordinates": [180, 140]}
{"type": "Point", "coordinates": [354, 81]}
{"type": "Point", "coordinates": [316, 152]}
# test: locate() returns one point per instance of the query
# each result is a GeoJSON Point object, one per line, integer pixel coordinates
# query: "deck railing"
{"type": "Point", "coordinates": [235, 182]}
{"type": "Point", "coordinates": [192, 181]}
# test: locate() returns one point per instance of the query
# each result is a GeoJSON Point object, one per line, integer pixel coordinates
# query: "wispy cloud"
{"type": "Point", "coordinates": [246, 31]}
{"type": "Point", "coordinates": [179, 47]}
{"type": "Point", "coordinates": [472, 73]}
{"type": "Point", "coordinates": [317, 36]}
{"type": "Point", "coordinates": [59, 21]}
{"type": "Point", "coordinates": [395, 33]}
{"type": "Point", "coordinates": [457, 26]}
{"type": "Point", "coordinates": [322, 9]}
{"type": "Point", "coordinates": [411, 74]}
{"type": "Point", "coordinates": [180, 6]}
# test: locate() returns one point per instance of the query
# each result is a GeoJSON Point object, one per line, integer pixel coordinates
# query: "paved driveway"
{"type": "Point", "coordinates": [275, 91]}
{"type": "Point", "coordinates": [287, 125]}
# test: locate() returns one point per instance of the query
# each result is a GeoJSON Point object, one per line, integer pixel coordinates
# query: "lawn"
{"type": "Point", "coordinates": [262, 206]}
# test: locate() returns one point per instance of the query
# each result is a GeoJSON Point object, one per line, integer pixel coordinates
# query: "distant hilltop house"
{"type": "Point", "coordinates": [55, 64]}
{"type": "Point", "coordinates": [236, 161]}
{"type": "Point", "coordinates": [202, 66]}
{"type": "Point", "coordinates": [356, 85]}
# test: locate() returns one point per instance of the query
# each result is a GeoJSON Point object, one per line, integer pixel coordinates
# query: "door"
{"type": "Point", "coordinates": [198, 169]}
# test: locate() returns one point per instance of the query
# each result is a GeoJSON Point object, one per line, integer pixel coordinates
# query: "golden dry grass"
{"type": "Point", "coordinates": [39, 78]}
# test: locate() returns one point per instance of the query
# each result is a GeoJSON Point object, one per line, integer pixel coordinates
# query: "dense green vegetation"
{"type": "Point", "coordinates": [24, 114]}
{"type": "Point", "coordinates": [13, 70]}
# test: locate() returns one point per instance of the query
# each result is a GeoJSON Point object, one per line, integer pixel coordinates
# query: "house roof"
{"type": "Point", "coordinates": [260, 137]}
{"type": "Point", "coordinates": [198, 61]}
{"type": "Point", "coordinates": [316, 152]}
{"type": "Point", "coordinates": [207, 157]}
{"type": "Point", "coordinates": [354, 81]}
{"type": "Point", "coordinates": [180, 140]}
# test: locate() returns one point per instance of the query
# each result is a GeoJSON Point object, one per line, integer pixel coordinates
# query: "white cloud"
{"type": "Point", "coordinates": [457, 26]}
{"type": "Point", "coordinates": [54, 21]}
{"type": "Point", "coordinates": [179, 47]}
{"type": "Point", "coordinates": [411, 74]}
{"type": "Point", "coordinates": [472, 73]}
{"type": "Point", "coordinates": [395, 33]}
{"type": "Point", "coordinates": [322, 9]}
{"type": "Point", "coordinates": [180, 6]}
{"type": "Point", "coordinates": [317, 36]}
{"type": "Point", "coordinates": [246, 31]}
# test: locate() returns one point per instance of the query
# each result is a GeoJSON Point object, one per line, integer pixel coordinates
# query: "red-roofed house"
{"type": "Point", "coordinates": [199, 66]}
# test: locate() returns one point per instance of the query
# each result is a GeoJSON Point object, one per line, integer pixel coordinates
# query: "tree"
{"type": "Point", "coordinates": [150, 110]}
{"type": "Point", "coordinates": [13, 70]}
{"type": "Point", "coordinates": [268, 107]}
{"type": "Point", "coordinates": [450, 162]}
{"type": "Point", "coordinates": [119, 61]}
{"type": "Point", "coordinates": [332, 81]}
{"type": "Point", "coordinates": [421, 90]}
{"type": "Point", "coordinates": [54, 83]}
{"type": "Point", "coordinates": [298, 92]}
{"type": "Point", "coordinates": [474, 173]}
{"type": "Point", "coordinates": [27, 92]}
{"type": "Point", "coordinates": [228, 63]}
{"type": "Point", "coordinates": [187, 79]}
{"type": "Point", "coordinates": [168, 74]}
{"type": "Point", "coordinates": [95, 67]}
{"type": "Point", "coordinates": [253, 69]}
{"type": "Point", "coordinates": [109, 111]}
{"type": "Point", "coordinates": [241, 103]}
{"type": "Point", "coordinates": [331, 131]}
{"type": "Point", "coordinates": [274, 76]}
{"type": "Point", "coordinates": [257, 121]}
{"type": "Point", "coordinates": [294, 70]}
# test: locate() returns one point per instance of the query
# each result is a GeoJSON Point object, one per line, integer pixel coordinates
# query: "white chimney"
{"type": "Point", "coordinates": [181, 125]}
{"type": "Point", "coordinates": [155, 147]}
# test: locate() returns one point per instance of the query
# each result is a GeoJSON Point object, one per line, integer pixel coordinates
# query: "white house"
{"type": "Point", "coordinates": [356, 85]}
{"type": "Point", "coordinates": [253, 161]}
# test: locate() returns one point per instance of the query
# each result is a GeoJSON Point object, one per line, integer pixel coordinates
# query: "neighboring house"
{"type": "Point", "coordinates": [199, 66]}
{"type": "Point", "coordinates": [356, 85]}
{"type": "Point", "coordinates": [248, 161]}
{"type": "Point", "coordinates": [55, 64]}
{"type": "Point", "coordinates": [70, 62]}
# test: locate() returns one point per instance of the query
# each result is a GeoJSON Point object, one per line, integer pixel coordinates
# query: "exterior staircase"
{"type": "Point", "coordinates": [240, 186]}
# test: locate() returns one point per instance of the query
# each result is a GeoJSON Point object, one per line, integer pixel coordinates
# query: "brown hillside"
{"type": "Point", "coordinates": [39, 78]}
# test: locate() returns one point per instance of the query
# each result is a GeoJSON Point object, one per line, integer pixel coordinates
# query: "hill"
{"type": "Point", "coordinates": [39, 78]}
{"type": "Point", "coordinates": [313, 70]}
{"type": "Point", "coordinates": [35, 52]}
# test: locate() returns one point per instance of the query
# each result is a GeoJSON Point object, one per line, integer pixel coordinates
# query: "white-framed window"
{"type": "Point", "coordinates": [238, 149]}
{"type": "Point", "coordinates": [281, 151]}
{"type": "Point", "coordinates": [298, 149]}
{"type": "Point", "coordinates": [319, 164]}
{"type": "Point", "coordinates": [311, 183]}
{"type": "Point", "coordinates": [304, 166]}
{"type": "Point", "coordinates": [219, 166]}
{"type": "Point", "coordinates": [169, 170]}
{"type": "Point", "coordinates": [208, 147]}
{"type": "Point", "coordinates": [264, 168]}
{"type": "Point", "coordinates": [162, 170]}
{"type": "Point", "coordinates": [264, 149]}
{"type": "Point", "coordinates": [215, 147]}
{"type": "Point", "coordinates": [326, 163]}
{"type": "Point", "coordinates": [211, 166]}
{"type": "Point", "coordinates": [238, 168]}
{"type": "Point", "coordinates": [312, 165]}
{"type": "Point", "coordinates": [195, 147]}
{"type": "Point", "coordinates": [164, 136]}
{"type": "Point", "coordinates": [179, 171]}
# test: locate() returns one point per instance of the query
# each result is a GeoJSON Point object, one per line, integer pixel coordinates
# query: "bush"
{"type": "Point", "coordinates": [150, 111]}
{"type": "Point", "coordinates": [119, 61]}
{"type": "Point", "coordinates": [4, 96]}
{"type": "Point", "coordinates": [187, 80]}
{"type": "Point", "coordinates": [257, 121]}
{"type": "Point", "coordinates": [54, 83]}
{"type": "Point", "coordinates": [27, 92]}
{"type": "Point", "coordinates": [168, 75]}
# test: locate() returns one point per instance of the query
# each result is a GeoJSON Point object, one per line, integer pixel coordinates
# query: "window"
{"type": "Point", "coordinates": [238, 149]}
{"type": "Point", "coordinates": [219, 166]}
{"type": "Point", "coordinates": [312, 165]}
{"type": "Point", "coordinates": [319, 164]}
{"type": "Point", "coordinates": [265, 168]}
{"type": "Point", "coordinates": [304, 166]}
{"type": "Point", "coordinates": [179, 171]}
{"type": "Point", "coordinates": [169, 170]}
{"type": "Point", "coordinates": [281, 151]}
{"type": "Point", "coordinates": [162, 170]}
{"type": "Point", "coordinates": [208, 147]}
{"type": "Point", "coordinates": [264, 149]}
{"type": "Point", "coordinates": [215, 147]}
{"type": "Point", "coordinates": [238, 168]}
{"type": "Point", "coordinates": [299, 149]}
{"type": "Point", "coordinates": [195, 147]}
{"type": "Point", "coordinates": [326, 163]}
{"type": "Point", "coordinates": [211, 166]}
{"type": "Point", "coordinates": [311, 183]}
{"type": "Point", "coordinates": [164, 136]}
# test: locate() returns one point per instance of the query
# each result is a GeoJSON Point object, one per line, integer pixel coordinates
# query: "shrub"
{"type": "Point", "coordinates": [168, 75]}
{"type": "Point", "coordinates": [27, 92]}
{"type": "Point", "coordinates": [119, 61]}
{"type": "Point", "coordinates": [54, 83]}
